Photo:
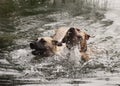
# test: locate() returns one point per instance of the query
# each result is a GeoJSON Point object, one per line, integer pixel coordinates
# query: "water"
{"type": "Point", "coordinates": [31, 20]}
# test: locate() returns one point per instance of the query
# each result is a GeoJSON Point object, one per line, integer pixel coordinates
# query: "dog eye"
{"type": "Point", "coordinates": [42, 41]}
{"type": "Point", "coordinates": [78, 29]}
{"type": "Point", "coordinates": [79, 36]}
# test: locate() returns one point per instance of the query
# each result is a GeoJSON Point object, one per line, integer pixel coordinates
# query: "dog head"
{"type": "Point", "coordinates": [44, 46]}
{"type": "Point", "coordinates": [83, 42]}
{"type": "Point", "coordinates": [72, 37]}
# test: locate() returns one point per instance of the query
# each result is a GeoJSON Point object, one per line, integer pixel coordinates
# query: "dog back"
{"type": "Point", "coordinates": [60, 33]}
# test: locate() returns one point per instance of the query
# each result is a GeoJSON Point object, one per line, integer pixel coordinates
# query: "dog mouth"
{"type": "Point", "coordinates": [39, 52]}
{"type": "Point", "coordinates": [42, 52]}
{"type": "Point", "coordinates": [36, 46]}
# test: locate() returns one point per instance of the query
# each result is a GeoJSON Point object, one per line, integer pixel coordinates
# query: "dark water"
{"type": "Point", "coordinates": [21, 21]}
{"type": "Point", "coordinates": [15, 13]}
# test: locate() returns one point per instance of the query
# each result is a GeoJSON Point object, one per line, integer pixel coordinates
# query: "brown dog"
{"type": "Point", "coordinates": [72, 37]}
{"type": "Point", "coordinates": [83, 43]}
{"type": "Point", "coordinates": [46, 46]}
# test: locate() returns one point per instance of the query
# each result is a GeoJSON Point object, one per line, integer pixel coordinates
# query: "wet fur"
{"type": "Point", "coordinates": [68, 35]}
{"type": "Point", "coordinates": [46, 46]}
{"type": "Point", "coordinates": [72, 37]}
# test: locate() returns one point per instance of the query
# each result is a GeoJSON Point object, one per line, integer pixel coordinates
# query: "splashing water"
{"type": "Point", "coordinates": [104, 63]}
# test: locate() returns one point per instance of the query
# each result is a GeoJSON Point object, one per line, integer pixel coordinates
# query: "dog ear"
{"type": "Point", "coordinates": [42, 41]}
{"type": "Point", "coordinates": [55, 42]}
{"type": "Point", "coordinates": [87, 36]}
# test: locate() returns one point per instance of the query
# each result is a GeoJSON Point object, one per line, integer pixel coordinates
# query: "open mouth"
{"type": "Point", "coordinates": [42, 52]}
{"type": "Point", "coordinates": [39, 51]}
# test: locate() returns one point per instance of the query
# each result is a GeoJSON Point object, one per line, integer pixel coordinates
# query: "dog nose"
{"type": "Point", "coordinates": [32, 45]}
{"type": "Point", "coordinates": [72, 29]}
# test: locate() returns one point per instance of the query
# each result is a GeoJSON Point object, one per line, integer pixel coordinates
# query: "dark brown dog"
{"type": "Point", "coordinates": [45, 46]}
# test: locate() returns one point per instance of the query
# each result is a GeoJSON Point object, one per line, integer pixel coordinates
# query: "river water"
{"type": "Point", "coordinates": [19, 67]}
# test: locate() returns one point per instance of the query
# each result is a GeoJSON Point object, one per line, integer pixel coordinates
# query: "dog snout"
{"type": "Point", "coordinates": [32, 45]}
{"type": "Point", "coordinates": [72, 29]}
{"type": "Point", "coordinates": [37, 46]}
